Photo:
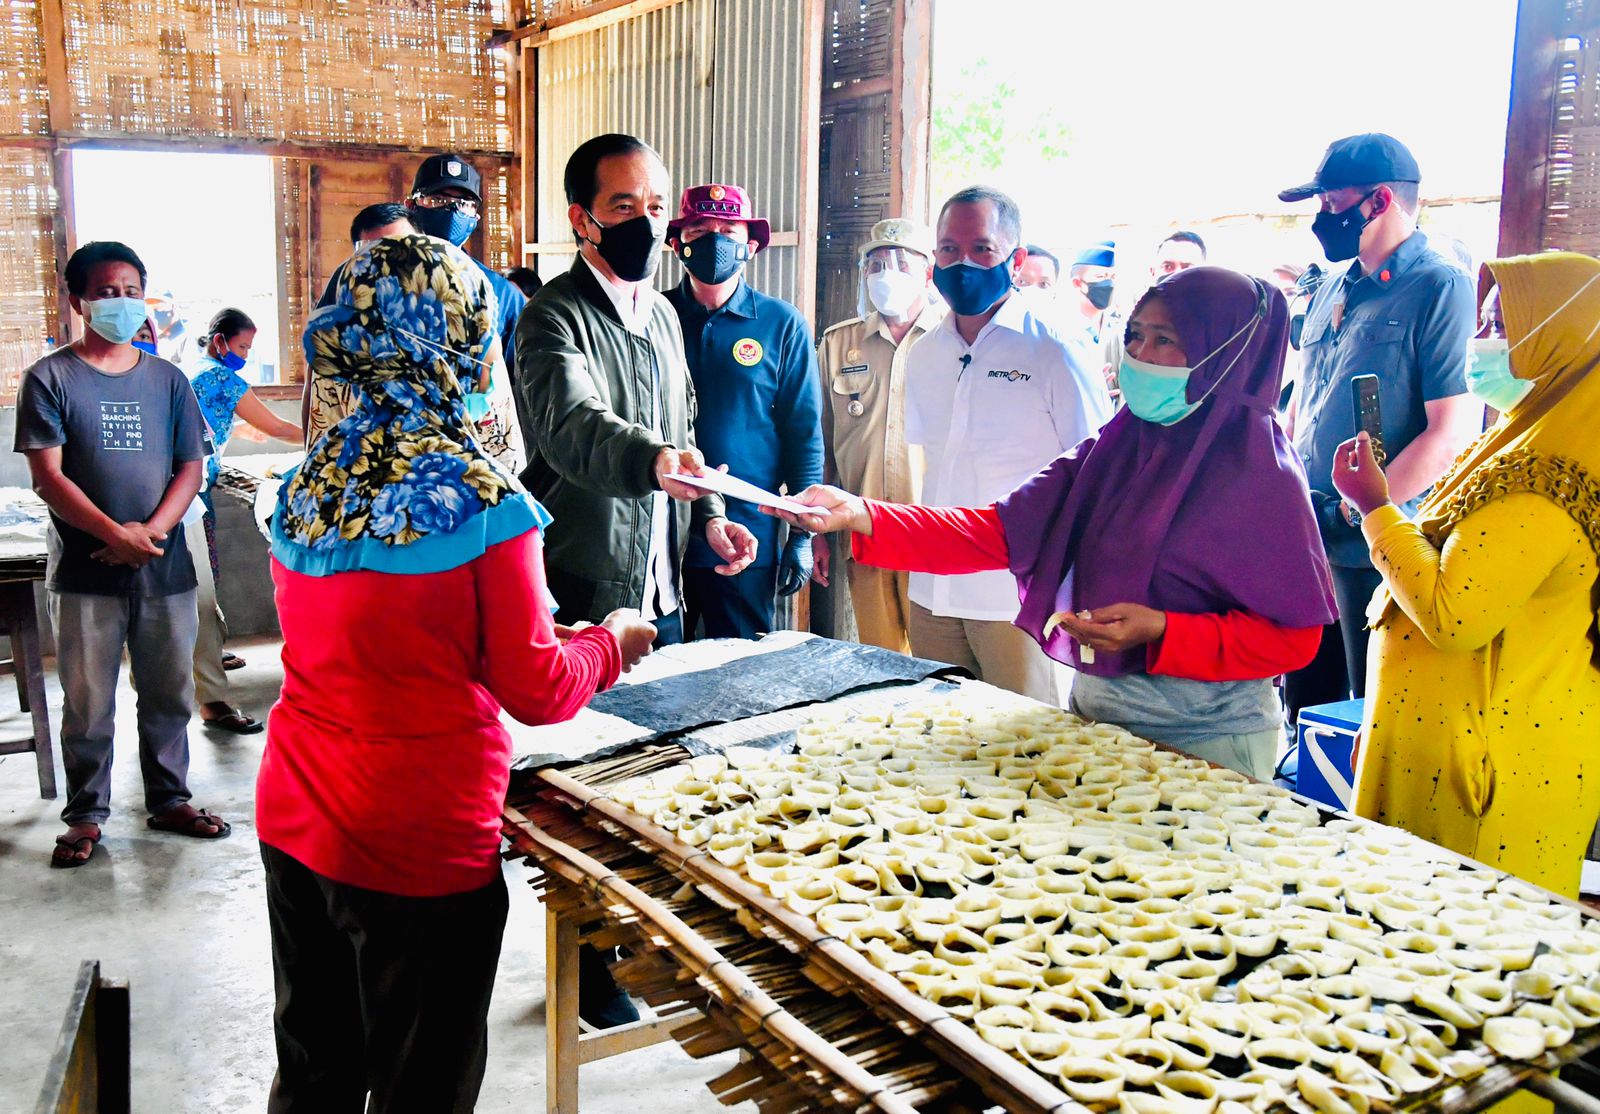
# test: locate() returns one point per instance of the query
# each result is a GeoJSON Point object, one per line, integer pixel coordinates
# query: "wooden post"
{"type": "Point", "coordinates": [288, 367]}
{"type": "Point", "coordinates": [64, 234]}
{"type": "Point", "coordinates": [913, 62]}
{"type": "Point", "coordinates": [561, 1036]}
{"type": "Point", "coordinates": [527, 142]}
{"type": "Point", "coordinates": [810, 142]}
{"type": "Point", "coordinates": [1528, 121]}
{"type": "Point", "coordinates": [53, 30]}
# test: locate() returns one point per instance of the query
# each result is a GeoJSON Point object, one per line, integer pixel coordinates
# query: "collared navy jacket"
{"type": "Point", "coordinates": [760, 408]}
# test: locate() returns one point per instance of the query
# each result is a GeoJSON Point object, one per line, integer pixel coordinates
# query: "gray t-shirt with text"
{"type": "Point", "coordinates": [121, 437]}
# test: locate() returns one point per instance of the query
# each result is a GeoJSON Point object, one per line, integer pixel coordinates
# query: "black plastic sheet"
{"type": "Point", "coordinates": [818, 669]}
{"type": "Point", "coordinates": [815, 671]}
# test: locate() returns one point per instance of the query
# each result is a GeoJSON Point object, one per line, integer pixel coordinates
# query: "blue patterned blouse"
{"type": "Point", "coordinates": [219, 391]}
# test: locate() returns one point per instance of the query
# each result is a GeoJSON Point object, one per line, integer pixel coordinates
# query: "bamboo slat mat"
{"type": "Point", "coordinates": [571, 789]}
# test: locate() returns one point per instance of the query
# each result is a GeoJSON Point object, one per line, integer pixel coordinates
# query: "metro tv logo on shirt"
{"type": "Point", "coordinates": [121, 427]}
{"type": "Point", "coordinates": [1010, 376]}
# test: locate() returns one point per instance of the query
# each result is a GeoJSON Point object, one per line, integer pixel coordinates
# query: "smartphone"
{"type": "Point", "coordinates": [1369, 412]}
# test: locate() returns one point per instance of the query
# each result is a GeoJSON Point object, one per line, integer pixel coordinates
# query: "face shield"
{"type": "Point", "coordinates": [889, 264]}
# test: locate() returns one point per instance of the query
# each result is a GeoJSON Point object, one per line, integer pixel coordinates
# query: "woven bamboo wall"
{"type": "Point", "coordinates": [27, 262]}
{"type": "Point", "coordinates": [856, 182]}
{"type": "Point", "coordinates": [856, 159]}
{"type": "Point", "coordinates": [24, 94]}
{"type": "Point", "coordinates": [407, 73]}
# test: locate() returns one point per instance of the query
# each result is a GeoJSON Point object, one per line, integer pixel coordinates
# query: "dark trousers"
{"type": "Point", "coordinates": [669, 630]}
{"type": "Point", "coordinates": [378, 994]}
{"type": "Point", "coordinates": [739, 606]}
{"type": "Point", "coordinates": [1339, 671]}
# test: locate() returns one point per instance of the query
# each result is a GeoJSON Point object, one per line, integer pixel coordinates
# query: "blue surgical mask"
{"type": "Point", "coordinates": [1490, 378]}
{"type": "Point", "coordinates": [146, 346]}
{"type": "Point", "coordinates": [971, 289]}
{"type": "Point", "coordinates": [444, 224]}
{"type": "Point", "coordinates": [231, 360]}
{"type": "Point", "coordinates": [1155, 393]}
{"type": "Point", "coordinates": [117, 319]}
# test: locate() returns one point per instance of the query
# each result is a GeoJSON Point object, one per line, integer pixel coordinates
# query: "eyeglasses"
{"type": "Point", "coordinates": [464, 205]}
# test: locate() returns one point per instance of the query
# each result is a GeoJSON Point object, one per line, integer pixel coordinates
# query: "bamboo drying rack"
{"type": "Point", "coordinates": [692, 924]}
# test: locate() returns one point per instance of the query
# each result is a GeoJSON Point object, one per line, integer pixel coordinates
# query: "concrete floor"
{"type": "Point", "coordinates": [184, 921]}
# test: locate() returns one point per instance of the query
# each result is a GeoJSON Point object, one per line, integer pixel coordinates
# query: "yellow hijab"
{"type": "Point", "coordinates": [1548, 443]}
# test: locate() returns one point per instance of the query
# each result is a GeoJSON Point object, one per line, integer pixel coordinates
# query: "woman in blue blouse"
{"type": "Point", "coordinates": [224, 398]}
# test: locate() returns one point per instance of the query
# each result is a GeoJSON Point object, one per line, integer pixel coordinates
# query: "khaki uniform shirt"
{"type": "Point", "coordinates": [864, 406]}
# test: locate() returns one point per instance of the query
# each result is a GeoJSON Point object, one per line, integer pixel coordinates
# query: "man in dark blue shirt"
{"type": "Point", "coordinates": [446, 200]}
{"type": "Point", "coordinates": [1399, 311]}
{"type": "Point", "coordinates": [754, 366]}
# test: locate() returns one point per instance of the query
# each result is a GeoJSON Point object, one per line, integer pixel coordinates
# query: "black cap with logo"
{"type": "Point", "coordinates": [442, 172]}
{"type": "Point", "coordinates": [1358, 160]}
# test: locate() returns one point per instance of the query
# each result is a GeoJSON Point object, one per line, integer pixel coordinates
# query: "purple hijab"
{"type": "Point", "coordinates": [1211, 514]}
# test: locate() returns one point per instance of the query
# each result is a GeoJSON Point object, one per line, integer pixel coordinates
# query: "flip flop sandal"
{"type": "Point", "coordinates": [230, 662]}
{"type": "Point", "coordinates": [192, 826]}
{"type": "Point", "coordinates": [236, 722]}
{"type": "Point", "coordinates": [67, 848]}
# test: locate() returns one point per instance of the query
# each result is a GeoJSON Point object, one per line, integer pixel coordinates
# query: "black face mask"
{"type": "Point", "coordinates": [1099, 293]}
{"type": "Point", "coordinates": [1340, 233]}
{"type": "Point", "coordinates": [714, 258]}
{"type": "Point", "coordinates": [631, 247]}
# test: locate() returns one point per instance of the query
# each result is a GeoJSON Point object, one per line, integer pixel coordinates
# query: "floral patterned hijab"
{"type": "Point", "coordinates": [401, 484]}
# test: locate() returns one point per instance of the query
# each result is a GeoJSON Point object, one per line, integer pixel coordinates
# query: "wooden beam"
{"type": "Point", "coordinates": [811, 29]}
{"type": "Point", "coordinates": [628, 1038]}
{"type": "Point", "coordinates": [64, 234]}
{"type": "Point", "coordinates": [528, 137]}
{"type": "Point", "coordinates": [287, 365]}
{"type": "Point", "coordinates": [561, 1033]}
{"type": "Point", "coordinates": [279, 148]}
{"type": "Point", "coordinates": [1525, 180]}
{"type": "Point", "coordinates": [53, 28]}
{"type": "Point", "coordinates": [914, 54]}
{"type": "Point", "coordinates": [604, 13]}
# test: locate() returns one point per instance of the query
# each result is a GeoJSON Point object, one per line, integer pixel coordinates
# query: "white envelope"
{"type": "Point", "coordinates": [725, 484]}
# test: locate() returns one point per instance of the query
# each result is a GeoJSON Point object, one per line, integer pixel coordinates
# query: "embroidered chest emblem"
{"type": "Point", "coordinates": [748, 351]}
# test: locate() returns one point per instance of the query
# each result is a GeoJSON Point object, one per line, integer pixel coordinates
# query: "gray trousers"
{"type": "Point", "coordinates": [159, 632]}
{"type": "Point", "coordinates": [210, 679]}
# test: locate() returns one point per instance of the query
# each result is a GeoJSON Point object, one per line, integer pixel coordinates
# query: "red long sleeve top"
{"type": "Point", "coordinates": [1228, 646]}
{"type": "Point", "coordinates": [386, 763]}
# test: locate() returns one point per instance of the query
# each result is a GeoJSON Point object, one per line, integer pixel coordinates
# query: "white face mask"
{"type": "Point", "coordinates": [893, 293]}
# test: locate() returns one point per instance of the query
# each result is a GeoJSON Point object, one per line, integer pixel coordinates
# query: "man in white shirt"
{"type": "Point", "coordinates": [992, 395]}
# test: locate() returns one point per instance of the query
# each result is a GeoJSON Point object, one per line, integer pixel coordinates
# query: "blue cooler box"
{"type": "Point", "coordinates": [1326, 733]}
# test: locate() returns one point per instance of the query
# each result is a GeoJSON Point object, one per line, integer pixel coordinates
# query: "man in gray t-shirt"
{"type": "Point", "coordinates": [121, 436]}
{"type": "Point", "coordinates": [114, 445]}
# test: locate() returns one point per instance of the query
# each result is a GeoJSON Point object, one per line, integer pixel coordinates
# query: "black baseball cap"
{"type": "Point", "coordinates": [441, 172]}
{"type": "Point", "coordinates": [1358, 160]}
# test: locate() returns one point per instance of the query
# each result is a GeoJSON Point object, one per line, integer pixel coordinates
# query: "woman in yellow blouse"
{"type": "Point", "coordinates": [1482, 729]}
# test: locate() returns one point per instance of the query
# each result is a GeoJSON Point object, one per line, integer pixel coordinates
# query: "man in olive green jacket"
{"type": "Point", "coordinates": [607, 405]}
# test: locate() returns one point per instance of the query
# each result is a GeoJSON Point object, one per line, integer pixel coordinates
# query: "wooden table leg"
{"type": "Point", "coordinates": [31, 662]}
{"type": "Point", "coordinates": [561, 1033]}
{"type": "Point", "coordinates": [16, 669]}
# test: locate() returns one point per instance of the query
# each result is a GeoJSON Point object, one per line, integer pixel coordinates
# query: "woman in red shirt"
{"type": "Point", "coordinates": [1172, 559]}
{"type": "Point", "coordinates": [410, 589]}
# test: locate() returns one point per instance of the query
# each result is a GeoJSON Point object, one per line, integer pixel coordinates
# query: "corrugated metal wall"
{"type": "Point", "coordinates": [715, 85]}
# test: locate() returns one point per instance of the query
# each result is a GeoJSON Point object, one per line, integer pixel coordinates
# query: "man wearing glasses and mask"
{"type": "Point", "coordinates": [446, 201]}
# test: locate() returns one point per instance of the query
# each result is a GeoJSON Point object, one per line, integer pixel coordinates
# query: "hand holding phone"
{"type": "Point", "coordinates": [1369, 413]}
